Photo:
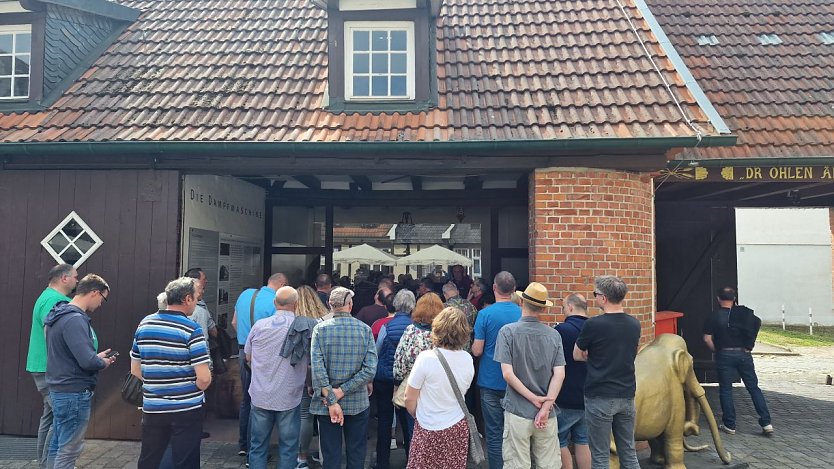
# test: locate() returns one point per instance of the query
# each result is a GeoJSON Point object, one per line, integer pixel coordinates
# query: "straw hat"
{"type": "Point", "coordinates": [535, 294]}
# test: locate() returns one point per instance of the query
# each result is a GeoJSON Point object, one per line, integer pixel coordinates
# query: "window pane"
{"type": "Point", "coordinates": [6, 65]}
{"type": "Point", "coordinates": [380, 63]}
{"type": "Point", "coordinates": [21, 64]}
{"type": "Point", "coordinates": [71, 255]}
{"type": "Point", "coordinates": [58, 242]}
{"type": "Point", "coordinates": [5, 87]}
{"type": "Point", "coordinates": [360, 63]}
{"type": "Point", "coordinates": [6, 43]}
{"type": "Point", "coordinates": [398, 63]}
{"type": "Point", "coordinates": [360, 86]}
{"type": "Point", "coordinates": [72, 229]}
{"type": "Point", "coordinates": [398, 40]}
{"type": "Point", "coordinates": [398, 85]}
{"type": "Point", "coordinates": [380, 40]}
{"type": "Point", "coordinates": [24, 43]}
{"type": "Point", "coordinates": [360, 40]}
{"type": "Point", "coordinates": [21, 86]}
{"type": "Point", "coordinates": [84, 243]}
{"type": "Point", "coordinates": [380, 86]}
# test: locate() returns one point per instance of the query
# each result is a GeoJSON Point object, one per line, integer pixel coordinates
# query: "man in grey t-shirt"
{"type": "Point", "coordinates": [533, 364]}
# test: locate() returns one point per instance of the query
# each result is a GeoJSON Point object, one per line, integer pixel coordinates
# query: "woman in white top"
{"type": "Point", "coordinates": [441, 435]}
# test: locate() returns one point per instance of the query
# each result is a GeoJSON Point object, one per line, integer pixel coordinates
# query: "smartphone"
{"type": "Point", "coordinates": [112, 354]}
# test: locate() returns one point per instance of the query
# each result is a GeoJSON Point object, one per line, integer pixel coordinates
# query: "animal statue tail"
{"type": "Point", "coordinates": [725, 456]}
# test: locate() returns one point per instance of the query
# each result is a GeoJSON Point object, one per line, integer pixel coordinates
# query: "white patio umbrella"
{"type": "Point", "coordinates": [436, 255]}
{"type": "Point", "coordinates": [364, 254]}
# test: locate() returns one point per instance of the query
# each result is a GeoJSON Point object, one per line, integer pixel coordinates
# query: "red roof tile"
{"type": "Point", "coordinates": [778, 99]}
{"type": "Point", "coordinates": [257, 70]}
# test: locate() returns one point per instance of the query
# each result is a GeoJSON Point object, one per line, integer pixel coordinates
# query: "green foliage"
{"type": "Point", "coordinates": [797, 336]}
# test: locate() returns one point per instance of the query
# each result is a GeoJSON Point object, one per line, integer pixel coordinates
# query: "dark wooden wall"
{"type": "Point", "coordinates": [136, 214]}
{"type": "Point", "coordinates": [696, 254]}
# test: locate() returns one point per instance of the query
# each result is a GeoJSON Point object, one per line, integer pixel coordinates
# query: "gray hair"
{"type": "Point", "coordinates": [450, 287]}
{"type": "Point", "coordinates": [162, 301]}
{"type": "Point", "coordinates": [177, 290]}
{"type": "Point", "coordinates": [505, 282]}
{"type": "Point", "coordinates": [577, 302]}
{"type": "Point", "coordinates": [612, 287]}
{"type": "Point", "coordinates": [57, 272]}
{"type": "Point", "coordinates": [404, 301]}
{"type": "Point", "coordinates": [286, 296]}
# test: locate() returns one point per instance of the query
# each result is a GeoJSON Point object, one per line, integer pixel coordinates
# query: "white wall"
{"type": "Point", "coordinates": [784, 258]}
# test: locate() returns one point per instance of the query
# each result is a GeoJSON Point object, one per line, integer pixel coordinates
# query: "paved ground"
{"type": "Point", "coordinates": [801, 404]}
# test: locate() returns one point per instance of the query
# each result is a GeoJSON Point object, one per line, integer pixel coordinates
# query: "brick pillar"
{"type": "Point", "coordinates": [589, 222]}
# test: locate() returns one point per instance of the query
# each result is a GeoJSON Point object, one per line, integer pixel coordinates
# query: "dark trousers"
{"type": "Point", "coordinates": [245, 403]}
{"type": "Point", "coordinates": [728, 363]}
{"type": "Point", "coordinates": [179, 429]}
{"type": "Point", "coordinates": [384, 392]}
{"type": "Point", "coordinates": [355, 433]}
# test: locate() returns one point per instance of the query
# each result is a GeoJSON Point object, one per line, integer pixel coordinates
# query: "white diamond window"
{"type": "Point", "coordinates": [72, 241]}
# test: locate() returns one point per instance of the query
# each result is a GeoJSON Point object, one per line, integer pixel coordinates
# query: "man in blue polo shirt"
{"type": "Point", "coordinates": [490, 378]}
{"type": "Point", "coordinates": [170, 355]}
{"type": "Point", "coordinates": [257, 303]}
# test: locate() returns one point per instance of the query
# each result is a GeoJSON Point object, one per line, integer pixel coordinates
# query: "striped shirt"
{"type": "Point", "coordinates": [169, 346]}
{"type": "Point", "coordinates": [343, 356]}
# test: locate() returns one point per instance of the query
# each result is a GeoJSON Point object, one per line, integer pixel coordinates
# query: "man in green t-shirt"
{"type": "Point", "coordinates": [62, 280]}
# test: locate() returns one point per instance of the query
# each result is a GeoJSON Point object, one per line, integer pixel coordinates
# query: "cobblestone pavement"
{"type": "Point", "coordinates": [801, 405]}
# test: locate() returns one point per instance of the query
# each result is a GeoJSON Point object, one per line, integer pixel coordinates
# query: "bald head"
{"type": "Point", "coordinates": [286, 298]}
{"type": "Point", "coordinates": [277, 281]}
{"type": "Point", "coordinates": [575, 304]}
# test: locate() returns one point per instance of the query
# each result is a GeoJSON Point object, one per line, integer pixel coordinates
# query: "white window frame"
{"type": "Point", "coordinates": [16, 29]}
{"type": "Point", "coordinates": [71, 242]}
{"type": "Point", "coordinates": [476, 255]}
{"type": "Point", "coordinates": [350, 27]}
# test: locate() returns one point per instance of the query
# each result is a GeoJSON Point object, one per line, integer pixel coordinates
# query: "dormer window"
{"type": "Point", "coordinates": [15, 61]}
{"type": "Point", "coordinates": [379, 60]}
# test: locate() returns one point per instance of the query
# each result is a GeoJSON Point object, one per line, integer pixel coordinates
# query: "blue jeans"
{"type": "Point", "coordinates": [245, 403]}
{"type": "Point", "coordinates": [493, 426]}
{"type": "Point", "coordinates": [261, 423]}
{"type": "Point", "coordinates": [606, 415]}
{"type": "Point", "coordinates": [71, 413]}
{"type": "Point", "coordinates": [355, 433]}
{"type": "Point", "coordinates": [572, 428]}
{"type": "Point", "coordinates": [727, 364]}
{"type": "Point", "coordinates": [45, 426]}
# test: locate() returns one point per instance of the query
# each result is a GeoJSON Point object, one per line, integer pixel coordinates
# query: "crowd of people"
{"type": "Point", "coordinates": [407, 352]}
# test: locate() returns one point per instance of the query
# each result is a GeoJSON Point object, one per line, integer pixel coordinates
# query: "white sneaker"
{"type": "Point", "coordinates": [393, 443]}
{"type": "Point", "coordinates": [767, 429]}
{"type": "Point", "coordinates": [727, 430]}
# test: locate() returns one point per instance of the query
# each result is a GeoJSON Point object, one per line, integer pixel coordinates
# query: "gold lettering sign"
{"type": "Point", "coordinates": [754, 173]}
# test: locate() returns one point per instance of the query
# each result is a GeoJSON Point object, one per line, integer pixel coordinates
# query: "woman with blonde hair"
{"type": "Point", "coordinates": [310, 307]}
{"type": "Point", "coordinates": [441, 433]}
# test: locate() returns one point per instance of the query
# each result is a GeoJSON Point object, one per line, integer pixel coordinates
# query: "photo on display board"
{"type": "Point", "coordinates": [224, 273]}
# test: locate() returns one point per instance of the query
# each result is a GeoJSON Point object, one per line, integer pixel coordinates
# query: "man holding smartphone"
{"type": "Point", "coordinates": [72, 369]}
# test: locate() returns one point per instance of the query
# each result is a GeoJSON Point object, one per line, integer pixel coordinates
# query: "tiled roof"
{"type": "Point", "coordinates": [779, 99]}
{"type": "Point", "coordinates": [256, 70]}
{"type": "Point", "coordinates": [361, 231]}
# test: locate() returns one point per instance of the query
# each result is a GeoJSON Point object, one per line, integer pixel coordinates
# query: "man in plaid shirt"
{"type": "Point", "coordinates": [343, 365]}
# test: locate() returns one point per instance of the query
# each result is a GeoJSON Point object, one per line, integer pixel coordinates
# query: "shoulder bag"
{"type": "Point", "coordinates": [476, 451]}
{"type": "Point", "coordinates": [132, 390]}
{"type": "Point", "coordinates": [399, 393]}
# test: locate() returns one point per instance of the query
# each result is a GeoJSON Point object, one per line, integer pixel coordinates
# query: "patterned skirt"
{"type": "Point", "coordinates": [445, 449]}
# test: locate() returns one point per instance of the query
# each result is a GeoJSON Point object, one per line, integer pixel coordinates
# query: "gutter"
{"type": "Point", "coordinates": [689, 81]}
{"type": "Point", "coordinates": [507, 148]}
{"type": "Point", "coordinates": [721, 162]}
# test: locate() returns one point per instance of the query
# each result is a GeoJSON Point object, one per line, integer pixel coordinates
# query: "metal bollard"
{"type": "Point", "coordinates": [810, 321]}
{"type": "Point", "coordinates": [783, 317]}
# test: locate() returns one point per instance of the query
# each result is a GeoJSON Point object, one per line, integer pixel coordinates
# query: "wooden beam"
{"type": "Point", "coordinates": [473, 183]}
{"type": "Point", "coordinates": [310, 181]}
{"type": "Point", "coordinates": [823, 190]}
{"type": "Point", "coordinates": [772, 189]}
{"type": "Point", "coordinates": [364, 182]}
{"type": "Point", "coordinates": [430, 198]}
{"type": "Point", "coordinates": [416, 183]}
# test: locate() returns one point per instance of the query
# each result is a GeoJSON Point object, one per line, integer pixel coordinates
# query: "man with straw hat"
{"type": "Point", "coordinates": [533, 364]}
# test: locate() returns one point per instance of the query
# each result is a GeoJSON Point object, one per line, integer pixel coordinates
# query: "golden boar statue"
{"type": "Point", "coordinates": [668, 399]}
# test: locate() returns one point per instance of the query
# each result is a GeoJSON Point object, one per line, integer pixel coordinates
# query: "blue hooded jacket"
{"type": "Point", "coordinates": [72, 364]}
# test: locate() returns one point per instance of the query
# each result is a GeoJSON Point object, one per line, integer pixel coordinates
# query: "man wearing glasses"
{"type": "Point", "coordinates": [608, 343]}
{"type": "Point", "coordinates": [72, 368]}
